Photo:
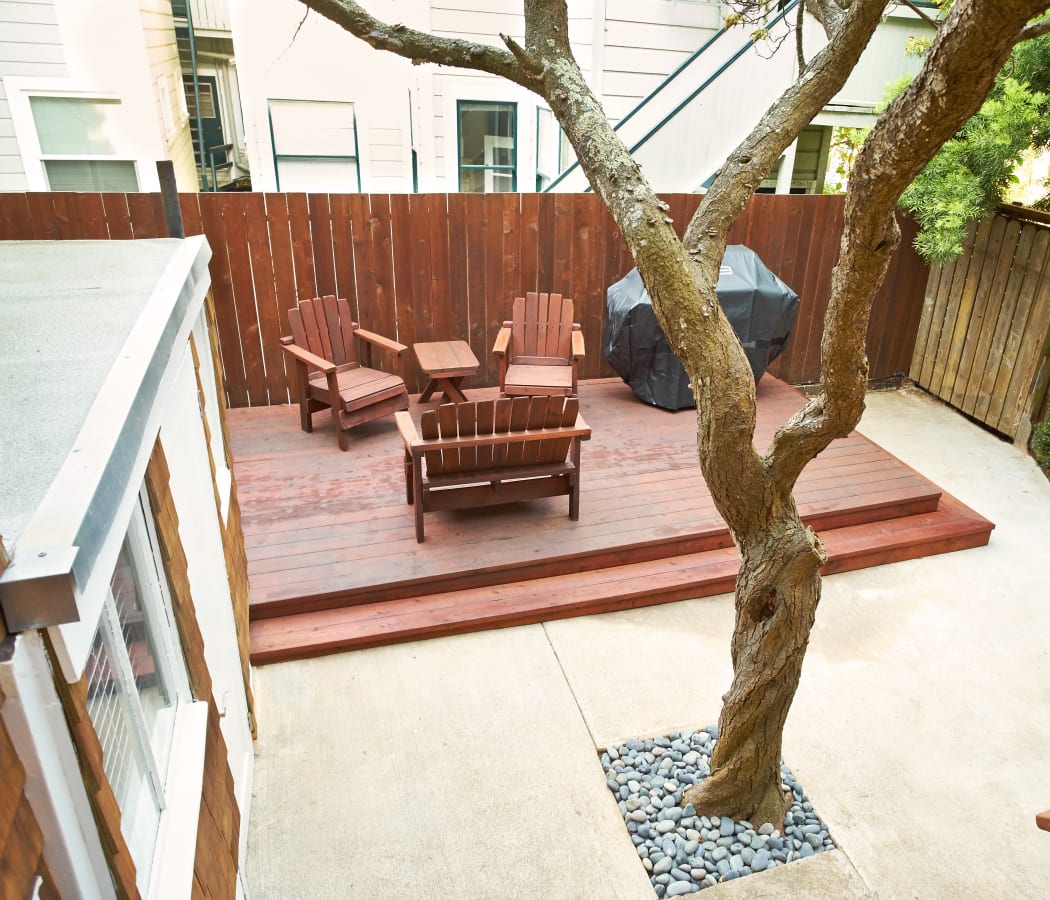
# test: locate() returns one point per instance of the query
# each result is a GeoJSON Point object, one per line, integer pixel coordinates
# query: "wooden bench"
{"type": "Point", "coordinates": [486, 452]}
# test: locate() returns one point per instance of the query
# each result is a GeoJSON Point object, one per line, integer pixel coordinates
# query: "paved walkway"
{"type": "Point", "coordinates": [466, 768]}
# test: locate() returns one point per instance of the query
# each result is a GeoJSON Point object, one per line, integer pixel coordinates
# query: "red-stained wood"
{"type": "Point", "coordinates": [321, 234]}
{"type": "Point", "coordinates": [232, 209]}
{"type": "Point", "coordinates": [225, 307]}
{"type": "Point", "coordinates": [317, 539]}
{"type": "Point", "coordinates": [482, 252]}
{"type": "Point", "coordinates": [302, 246]}
{"type": "Point", "coordinates": [16, 218]}
{"type": "Point", "coordinates": [611, 588]}
{"type": "Point", "coordinates": [267, 308]}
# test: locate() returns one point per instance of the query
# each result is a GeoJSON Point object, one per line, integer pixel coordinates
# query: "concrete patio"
{"type": "Point", "coordinates": [466, 767]}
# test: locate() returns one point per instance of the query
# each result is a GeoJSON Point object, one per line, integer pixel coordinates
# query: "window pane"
{"type": "Point", "coordinates": [108, 707]}
{"type": "Point", "coordinates": [152, 683]}
{"type": "Point", "coordinates": [334, 176]}
{"type": "Point", "coordinates": [75, 125]}
{"type": "Point", "coordinates": [312, 128]}
{"type": "Point", "coordinates": [91, 175]}
{"type": "Point", "coordinates": [487, 138]}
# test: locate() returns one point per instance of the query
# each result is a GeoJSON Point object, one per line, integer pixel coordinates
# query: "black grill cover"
{"type": "Point", "coordinates": [759, 306]}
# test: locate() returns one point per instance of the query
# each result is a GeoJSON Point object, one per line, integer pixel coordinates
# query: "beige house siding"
{"type": "Point", "coordinates": [30, 45]}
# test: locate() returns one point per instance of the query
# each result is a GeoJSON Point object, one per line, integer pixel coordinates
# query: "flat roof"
{"type": "Point", "coordinates": [66, 311]}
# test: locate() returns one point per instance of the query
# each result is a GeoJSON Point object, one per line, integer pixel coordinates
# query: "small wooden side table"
{"type": "Point", "coordinates": [446, 364]}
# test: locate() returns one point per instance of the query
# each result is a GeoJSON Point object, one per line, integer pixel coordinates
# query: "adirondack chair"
{"type": "Point", "coordinates": [485, 452]}
{"type": "Point", "coordinates": [539, 348]}
{"type": "Point", "coordinates": [329, 374]}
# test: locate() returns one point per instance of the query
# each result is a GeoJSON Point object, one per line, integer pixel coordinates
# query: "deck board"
{"type": "Point", "coordinates": [327, 530]}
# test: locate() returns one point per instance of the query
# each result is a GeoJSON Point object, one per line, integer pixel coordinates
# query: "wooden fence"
{"type": "Point", "coordinates": [984, 335]}
{"type": "Point", "coordinates": [434, 266]}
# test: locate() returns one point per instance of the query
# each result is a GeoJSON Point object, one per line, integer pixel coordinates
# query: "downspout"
{"type": "Point", "coordinates": [205, 184]}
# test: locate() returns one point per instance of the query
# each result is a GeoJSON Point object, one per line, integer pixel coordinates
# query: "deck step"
{"type": "Point", "coordinates": [878, 504]}
{"type": "Point", "coordinates": [952, 526]}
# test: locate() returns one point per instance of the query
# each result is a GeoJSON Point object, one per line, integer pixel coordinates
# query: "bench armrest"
{"type": "Point", "coordinates": [383, 343]}
{"type": "Point", "coordinates": [305, 356]}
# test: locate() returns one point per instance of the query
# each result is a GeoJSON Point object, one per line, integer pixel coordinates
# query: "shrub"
{"type": "Point", "coordinates": [1041, 445]}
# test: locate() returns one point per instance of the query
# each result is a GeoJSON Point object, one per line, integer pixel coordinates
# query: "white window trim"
{"type": "Point", "coordinates": [481, 91]}
{"type": "Point", "coordinates": [217, 448]}
{"type": "Point", "coordinates": [179, 797]}
{"type": "Point", "coordinates": [19, 90]}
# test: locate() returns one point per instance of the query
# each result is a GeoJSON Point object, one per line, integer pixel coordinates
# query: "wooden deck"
{"type": "Point", "coordinates": [334, 564]}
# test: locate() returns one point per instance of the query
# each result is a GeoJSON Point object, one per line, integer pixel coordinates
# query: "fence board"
{"type": "Point", "coordinates": [448, 266]}
{"type": "Point", "coordinates": [984, 336]}
{"type": "Point", "coordinates": [996, 343]}
{"type": "Point", "coordinates": [986, 303]}
{"type": "Point", "coordinates": [269, 315]}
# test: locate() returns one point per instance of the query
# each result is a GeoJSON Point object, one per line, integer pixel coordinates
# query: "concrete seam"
{"type": "Point", "coordinates": [568, 684]}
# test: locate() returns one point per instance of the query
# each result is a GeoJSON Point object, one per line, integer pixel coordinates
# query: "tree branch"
{"type": "Point", "coordinates": [793, 110]}
{"type": "Point", "coordinates": [918, 11]}
{"type": "Point", "coordinates": [1035, 29]}
{"type": "Point", "coordinates": [421, 47]}
{"type": "Point", "coordinates": [959, 70]}
{"type": "Point", "coordinates": [800, 53]}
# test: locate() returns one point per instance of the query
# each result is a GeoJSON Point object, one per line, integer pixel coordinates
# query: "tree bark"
{"type": "Point", "coordinates": [777, 593]}
{"type": "Point", "coordinates": [778, 586]}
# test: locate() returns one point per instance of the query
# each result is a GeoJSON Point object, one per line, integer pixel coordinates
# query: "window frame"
{"type": "Point", "coordinates": [19, 93]}
{"type": "Point", "coordinates": [512, 169]}
{"type": "Point", "coordinates": [176, 793]}
{"type": "Point", "coordinates": [355, 158]}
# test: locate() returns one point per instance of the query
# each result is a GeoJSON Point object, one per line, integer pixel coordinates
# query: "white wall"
{"type": "Point", "coordinates": [186, 451]}
{"type": "Point", "coordinates": [110, 48]}
{"type": "Point", "coordinates": [323, 62]}
{"type": "Point", "coordinates": [30, 46]}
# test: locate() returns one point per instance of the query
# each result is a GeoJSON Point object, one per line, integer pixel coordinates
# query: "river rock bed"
{"type": "Point", "coordinates": [684, 852]}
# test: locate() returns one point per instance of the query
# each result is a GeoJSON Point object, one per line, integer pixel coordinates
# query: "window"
{"type": "Point", "coordinates": [78, 146]}
{"type": "Point", "coordinates": [487, 146]}
{"type": "Point", "coordinates": [554, 153]}
{"type": "Point", "coordinates": [314, 145]}
{"type": "Point", "coordinates": [136, 681]}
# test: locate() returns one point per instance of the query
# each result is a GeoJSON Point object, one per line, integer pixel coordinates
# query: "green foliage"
{"type": "Point", "coordinates": [1041, 445]}
{"type": "Point", "coordinates": [967, 178]}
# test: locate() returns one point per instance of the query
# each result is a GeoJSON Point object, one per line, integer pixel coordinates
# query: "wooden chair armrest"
{"type": "Point", "coordinates": [383, 343]}
{"type": "Point", "coordinates": [407, 429]}
{"type": "Point", "coordinates": [577, 345]}
{"type": "Point", "coordinates": [1043, 820]}
{"type": "Point", "coordinates": [502, 341]}
{"type": "Point", "coordinates": [309, 358]}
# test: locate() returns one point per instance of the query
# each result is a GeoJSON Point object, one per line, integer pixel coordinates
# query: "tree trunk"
{"type": "Point", "coordinates": [777, 592]}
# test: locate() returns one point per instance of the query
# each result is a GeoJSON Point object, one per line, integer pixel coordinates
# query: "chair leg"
{"type": "Point", "coordinates": [417, 488]}
{"type": "Point", "coordinates": [340, 432]}
{"type": "Point", "coordinates": [408, 478]}
{"type": "Point", "coordinates": [306, 420]}
{"type": "Point", "coordinates": [574, 493]}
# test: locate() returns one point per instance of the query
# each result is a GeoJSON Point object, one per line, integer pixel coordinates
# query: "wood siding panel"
{"type": "Point", "coordinates": [218, 825]}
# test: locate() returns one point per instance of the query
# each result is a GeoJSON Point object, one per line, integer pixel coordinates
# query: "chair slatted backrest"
{"type": "Point", "coordinates": [502, 416]}
{"type": "Point", "coordinates": [325, 327]}
{"type": "Point", "coordinates": [541, 330]}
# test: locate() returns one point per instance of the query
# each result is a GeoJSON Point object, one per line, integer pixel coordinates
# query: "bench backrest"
{"type": "Point", "coordinates": [325, 327]}
{"type": "Point", "coordinates": [541, 330]}
{"type": "Point", "coordinates": [506, 415]}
